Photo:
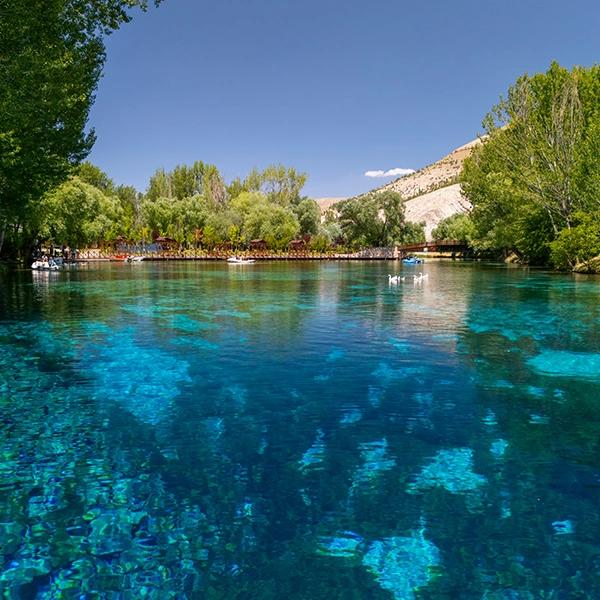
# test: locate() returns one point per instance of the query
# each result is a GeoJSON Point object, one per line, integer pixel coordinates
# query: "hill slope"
{"type": "Point", "coordinates": [432, 193]}
{"type": "Point", "coordinates": [440, 174]}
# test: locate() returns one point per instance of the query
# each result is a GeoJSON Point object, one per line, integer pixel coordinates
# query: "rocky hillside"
{"type": "Point", "coordinates": [432, 193]}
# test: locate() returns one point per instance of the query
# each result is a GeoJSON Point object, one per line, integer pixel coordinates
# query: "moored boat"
{"type": "Point", "coordinates": [45, 265]}
{"type": "Point", "coordinates": [412, 260]}
{"type": "Point", "coordinates": [240, 261]}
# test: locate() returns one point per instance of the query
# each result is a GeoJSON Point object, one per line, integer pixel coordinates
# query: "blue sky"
{"type": "Point", "coordinates": [334, 88]}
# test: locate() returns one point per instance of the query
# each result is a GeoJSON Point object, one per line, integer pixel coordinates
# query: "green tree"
{"type": "Point", "coordinates": [51, 58]}
{"type": "Point", "coordinates": [214, 187]}
{"type": "Point", "coordinates": [280, 184]}
{"type": "Point", "coordinates": [539, 164]}
{"type": "Point", "coordinates": [130, 201]}
{"type": "Point", "coordinates": [77, 214]}
{"type": "Point", "coordinates": [159, 186]}
{"type": "Point", "coordinates": [93, 175]}
{"type": "Point", "coordinates": [456, 227]}
{"type": "Point", "coordinates": [308, 213]}
{"type": "Point", "coordinates": [187, 181]}
{"type": "Point", "coordinates": [579, 243]}
{"type": "Point", "coordinates": [275, 224]}
{"type": "Point", "coordinates": [376, 220]}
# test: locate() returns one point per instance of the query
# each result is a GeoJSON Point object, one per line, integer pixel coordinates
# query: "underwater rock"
{"type": "Point", "coordinates": [189, 325]}
{"type": "Point", "coordinates": [498, 447]}
{"type": "Point", "coordinates": [111, 531]}
{"type": "Point", "coordinates": [386, 374]}
{"type": "Point", "coordinates": [236, 395]}
{"type": "Point", "coordinates": [322, 378]}
{"type": "Point", "coordinates": [195, 342]}
{"type": "Point", "coordinates": [23, 571]}
{"type": "Point", "coordinates": [335, 354]}
{"type": "Point", "coordinates": [345, 545]}
{"type": "Point", "coordinates": [236, 314]}
{"type": "Point", "coordinates": [510, 334]}
{"type": "Point", "coordinates": [535, 419]}
{"type": "Point", "coordinates": [450, 469]}
{"type": "Point", "coordinates": [350, 416]}
{"type": "Point", "coordinates": [505, 509]}
{"type": "Point", "coordinates": [215, 427]}
{"type": "Point", "coordinates": [490, 419]}
{"type": "Point", "coordinates": [563, 363]}
{"type": "Point", "coordinates": [536, 392]}
{"type": "Point", "coordinates": [401, 565]}
{"type": "Point", "coordinates": [424, 399]}
{"type": "Point", "coordinates": [400, 345]}
{"type": "Point", "coordinates": [374, 396]}
{"type": "Point", "coordinates": [375, 460]}
{"type": "Point", "coordinates": [563, 527]}
{"type": "Point", "coordinates": [315, 455]}
{"type": "Point", "coordinates": [128, 372]}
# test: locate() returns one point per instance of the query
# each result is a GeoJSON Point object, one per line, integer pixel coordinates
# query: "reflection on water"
{"type": "Point", "coordinates": [304, 431]}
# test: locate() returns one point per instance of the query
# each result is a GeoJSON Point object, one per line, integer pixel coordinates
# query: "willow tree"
{"type": "Point", "coordinates": [51, 58]}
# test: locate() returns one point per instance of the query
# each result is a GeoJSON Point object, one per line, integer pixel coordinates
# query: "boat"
{"type": "Point", "coordinates": [43, 265]}
{"type": "Point", "coordinates": [412, 260]}
{"type": "Point", "coordinates": [132, 259]}
{"type": "Point", "coordinates": [240, 261]}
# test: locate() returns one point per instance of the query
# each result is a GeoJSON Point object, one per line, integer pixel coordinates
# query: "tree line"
{"type": "Point", "coordinates": [193, 206]}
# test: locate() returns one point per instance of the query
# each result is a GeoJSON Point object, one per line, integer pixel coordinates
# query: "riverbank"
{"type": "Point", "coordinates": [377, 254]}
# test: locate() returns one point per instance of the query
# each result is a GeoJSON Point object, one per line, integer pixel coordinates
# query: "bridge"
{"type": "Point", "coordinates": [438, 246]}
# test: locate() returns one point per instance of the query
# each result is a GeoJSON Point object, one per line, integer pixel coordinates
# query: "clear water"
{"type": "Point", "coordinates": [190, 430]}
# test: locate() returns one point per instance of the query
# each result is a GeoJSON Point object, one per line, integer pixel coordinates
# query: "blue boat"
{"type": "Point", "coordinates": [412, 260]}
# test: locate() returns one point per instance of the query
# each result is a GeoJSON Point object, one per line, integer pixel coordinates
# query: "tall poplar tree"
{"type": "Point", "coordinates": [51, 58]}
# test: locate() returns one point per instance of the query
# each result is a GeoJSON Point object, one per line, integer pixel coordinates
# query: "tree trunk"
{"type": "Point", "coordinates": [2, 232]}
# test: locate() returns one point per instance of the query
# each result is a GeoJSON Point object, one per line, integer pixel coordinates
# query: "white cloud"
{"type": "Point", "coordinates": [397, 172]}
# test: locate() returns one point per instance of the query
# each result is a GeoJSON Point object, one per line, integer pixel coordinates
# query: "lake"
{"type": "Point", "coordinates": [299, 430]}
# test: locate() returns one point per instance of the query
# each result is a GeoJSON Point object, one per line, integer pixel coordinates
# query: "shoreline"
{"type": "Point", "coordinates": [270, 258]}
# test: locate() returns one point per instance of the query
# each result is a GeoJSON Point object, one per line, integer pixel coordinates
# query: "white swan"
{"type": "Point", "coordinates": [392, 279]}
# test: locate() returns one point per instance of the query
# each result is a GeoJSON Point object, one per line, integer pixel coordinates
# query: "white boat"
{"type": "Point", "coordinates": [240, 261]}
{"type": "Point", "coordinates": [40, 265]}
{"type": "Point", "coordinates": [133, 259]}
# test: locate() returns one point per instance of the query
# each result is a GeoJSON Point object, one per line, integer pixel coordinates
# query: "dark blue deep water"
{"type": "Point", "coordinates": [299, 431]}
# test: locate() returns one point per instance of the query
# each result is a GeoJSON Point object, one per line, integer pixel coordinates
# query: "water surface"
{"type": "Point", "coordinates": [188, 430]}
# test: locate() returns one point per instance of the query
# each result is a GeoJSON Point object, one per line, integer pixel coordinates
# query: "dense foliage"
{"type": "Point", "coordinates": [51, 58]}
{"type": "Point", "coordinates": [190, 204]}
{"type": "Point", "coordinates": [377, 219]}
{"type": "Point", "coordinates": [538, 170]}
{"type": "Point", "coordinates": [457, 227]}
{"type": "Point", "coordinates": [579, 243]}
{"type": "Point", "coordinates": [194, 207]}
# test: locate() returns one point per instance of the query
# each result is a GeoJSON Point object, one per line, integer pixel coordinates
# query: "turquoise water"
{"type": "Point", "coordinates": [187, 430]}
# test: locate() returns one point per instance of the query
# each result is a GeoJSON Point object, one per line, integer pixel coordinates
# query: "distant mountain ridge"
{"type": "Point", "coordinates": [432, 193]}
